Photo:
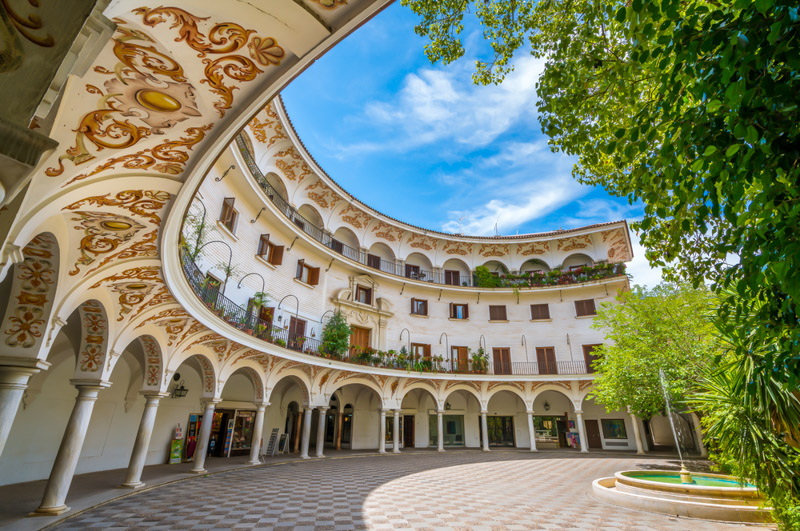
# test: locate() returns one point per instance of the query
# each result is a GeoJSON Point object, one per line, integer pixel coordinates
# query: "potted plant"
{"type": "Point", "coordinates": [280, 342]}
{"type": "Point", "coordinates": [480, 363]}
{"type": "Point", "coordinates": [336, 335]}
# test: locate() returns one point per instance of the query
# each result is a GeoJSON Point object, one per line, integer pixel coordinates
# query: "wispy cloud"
{"type": "Point", "coordinates": [640, 268]}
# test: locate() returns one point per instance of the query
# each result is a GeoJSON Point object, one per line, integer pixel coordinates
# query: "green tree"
{"type": "Point", "coordinates": [687, 105]}
{"type": "Point", "coordinates": [665, 329]}
{"type": "Point", "coordinates": [336, 335]}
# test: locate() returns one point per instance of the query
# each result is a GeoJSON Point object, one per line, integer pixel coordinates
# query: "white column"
{"type": "Point", "coordinates": [440, 431]}
{"type": "Point", "coordinates": [13, 382]}
{"type": "Point", "coordinates": [581, 430]}
{"type": "Point", "coordinates": [258, 430]}
{"type": "Point", "coordinates": [201, 449]}
{"type": "Point", "coordinates": [396, 432]}
{"type": "Point", "coordinates": [637, 435]}
{"type": "Point", "coordinates": [323, 415]}
{"type": "Point", "coordinates": [485, 429]}
{"type": "Point", "coordinates": [531, 431]}
{"type": "Point", "coordinates": [55, 493]}
{"type": "Point", "coordinates": [382, 433]}
{"type": "Point", "coordinates": [133, 478]}
{"type": "Point", "coordinates": [306, 433]}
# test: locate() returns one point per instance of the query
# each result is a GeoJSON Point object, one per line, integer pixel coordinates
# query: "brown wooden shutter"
{"type": "Point", "coordinates": [452, 311]}
{"type": "Point", "coordinates": [263, 245]}
{"type": "Point", "coordinates": [579, 310]}
{"type": "Point", "coordinates": [300, 264]}
{"type": "Point", "coordinates": [426, 349]}
{"type": "Point", "coordinates": [277, 255]}
{"type": "Point", "coordinates": [590, 309]}
{"type": "Point", "coordinates": [227, 209]}
{"type": "Point", "coordinates": [313, 276]}
{"type": "Point", "coordinates": [413, 305]}
{"type": "Point", "coordinates": [466, 311]}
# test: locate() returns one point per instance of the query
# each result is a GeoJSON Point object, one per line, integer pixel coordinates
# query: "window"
{"type": "Point", "coordinates": [546, 359]}
{"type": "Point", "coordinates": [211, 289]}
{"type": "Point", "coordinates": [502, 360]}
{"type": "Point", "coordinates": [229, 216]}
{"type": "Point", "coordinates": [614, 429]}
{"type": "Point", "coordinates": [419, 307]}
{"type": "Point", "coordinates": [297, 332]}
{"type": "Point", "coordinates": [497, 313]}
{"type": "Point", "coordinates": [337, 246]}
{"type": "Point", "coordinates": [300, 223]}
{"type": "Point", "coordinates": [452, 278]}
{"type": "Point", "coordinates": [269, 251]}
{"type": "Point", "coordinates": [585, 307]}
{"type": "Point", "coordinates": [540, 311]}
{"type": "Point", "coordinates": [412, 271]}
{"type": "Point", "coordinates": [307, 274]}
{"type": "Point", "coordinates": [459, 311]}
{"type": "Point", "coordinates": [589, 356]}
{"type": "Point", "coordinates": [420, 350]}
{"type": "Point", "coordinates": [374, 261]}
{"type": "Point", "coordinates": [364, 295]}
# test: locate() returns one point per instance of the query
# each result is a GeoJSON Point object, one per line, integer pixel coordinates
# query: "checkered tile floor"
{"type": "Point", "coordinates": [416, 490]}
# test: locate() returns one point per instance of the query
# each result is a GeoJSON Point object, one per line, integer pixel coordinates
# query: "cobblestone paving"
{"type": "Point", "coordinates": [416, 490]}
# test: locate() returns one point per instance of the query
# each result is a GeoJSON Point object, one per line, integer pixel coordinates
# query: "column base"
{"type": "Point", "coordinates": [49, 511]}
{"type": "Point", "coordinates": [254, 462]}
{"type": "Point", "coordinates": [584, 451]}
{"type": "Point", "coordinates": [320, 456]}
{"type": "Point", "coordinates": [440, 449]}
{"type": "Point", "coordinates": [642, 453]}
{"type": "Point", "coordinates": [485, 449]}
{"type": "Point", "coordinates": [396, 451]}
{"type": "Point", "coordinates": [534, 450]}
{"type": "Point", "coordinates": [136, 485]}
{"type": "Point", "coordinates": [305, 457]}
{"type": "Point", "coordinates": [198, 471]}
{"type": "Point", "coordinates": [381, 451]}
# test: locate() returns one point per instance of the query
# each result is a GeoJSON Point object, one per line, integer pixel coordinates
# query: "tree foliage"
{"type": "Point", "coordinates": [687, 105]}
{"type": "Point", "coordinates": [336, 335]}
{"type": "Point", "coordinates": [667, 328]}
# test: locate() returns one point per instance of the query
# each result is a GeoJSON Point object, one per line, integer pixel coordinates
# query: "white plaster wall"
{"type": "Point", "coordinates": [594, 411]}
{"type": "Point", "coordinates": [171, 412]}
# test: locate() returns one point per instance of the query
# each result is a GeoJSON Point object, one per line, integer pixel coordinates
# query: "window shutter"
{"type": "Point", "coordinates": [300, 264]}
{"type": "Point", "coordinates": [427, 351]}
{"type": "Point", "coordinates": [452, 311]}
{"type": "Point", "coordinates": [578, 308]}
{"type": "Point", "coordinates": [590, 309]}
{"type": "Point", "coordinates": [227, 209]}
{"type": "Point", "coordinates": [313, 276]}
{"type": "Point", "coordinates": [263, 245]}
{"type": "Point", "coordinates": [466, 311]}
{"type": "Point", "coordinates": [412, 305]}
{"type": "Point", "coordinates": [277, 255]}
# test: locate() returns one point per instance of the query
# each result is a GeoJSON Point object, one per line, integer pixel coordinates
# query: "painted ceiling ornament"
{"type": "Point", "coordinates": [152, 358]}
{"type": "Point", "coordinates": [223, 39]}
{"type": "Point", "coordinates": [143, 203]}
{"type": "Point", "coordinates": [195, 328]}
{"type": "Point", "coordinates": [102, 233]}
{"type": "Point", "coordinates": [35, 277]}
{"type": "Point", "coordinates": [144, 247]}
{"type": "Point", "coordinates": [533, 248]}
{"type": "Point", "coordinates": [292, 165]}
{"type": "Point", "coordinates": [160, 105]}
{"type": "Point", "coordinates": [322, 194]}
{"type": "Point", "coordinates": [136, 285]}
{"type": "Point", "coordinates": [272, 122]}
{"type": "Point", "coordinates": [208, 374]}
{"type": "Point", "coordinates": [94, 336]}
{"type": "Point", "coordinates": [26, 25]}
{"type": "Point", "coordinates": [162, 296]}
{"type": "Point", "coordinates": [617, 246]}
{"type": "Point", "coordinates": [488, 250]}
{"type": "Point", "coordinates": [164, 314]}
{"type": "Point", "coordinates": [575, 242]}
{"type": "Point", "coordinates": [355, 217]}
{"type": "Point", "coordinates": [387, 232]}
{"type": "Point", "coordinates": [420, 241]}
{"type": "Point", "coordinates": [168, 157]}
{"type": "Point", "coordinates": [459, 248]}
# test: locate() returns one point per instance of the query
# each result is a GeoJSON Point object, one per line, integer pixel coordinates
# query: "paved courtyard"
{"type": "Point", "coordinates": [419, 490]}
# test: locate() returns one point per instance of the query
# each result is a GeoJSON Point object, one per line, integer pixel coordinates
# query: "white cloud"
{"type": "Point", "coordinates": [639, 268]}
{"type": "Point", "coordinates": [441, 104]}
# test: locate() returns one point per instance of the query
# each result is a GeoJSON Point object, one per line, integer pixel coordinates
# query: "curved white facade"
{"type": "Point", "coordinates": [155, 123]}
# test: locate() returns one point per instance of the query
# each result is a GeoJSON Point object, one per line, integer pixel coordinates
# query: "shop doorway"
{"type": "Point", "coordinates": [291, 427]}
{"type": "Point", "coordinates": [460, 358]}
{"type": "Point", "coordinates": [502, 360]}
{"type": "Point", "coordinates": [501, 431]}
{"type": "Point", "coordinates": [408, 431]}
{"type": "Point", "coordinates": [550, 431]}
{"type": "Point", "coordinates": [593, 435]}
{"type": "Point", "coordinates": [453, 430]}
{"type": "Point", "coordinates": [347, 426]}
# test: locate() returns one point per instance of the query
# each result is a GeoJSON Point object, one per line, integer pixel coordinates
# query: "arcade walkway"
{"type": "Point", "coordinates": [416, 489]}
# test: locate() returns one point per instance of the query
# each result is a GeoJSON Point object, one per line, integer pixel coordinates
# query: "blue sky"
{"type": "Point", "coordinates": [421, 143]}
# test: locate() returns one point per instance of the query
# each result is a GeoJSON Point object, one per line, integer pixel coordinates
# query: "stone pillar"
{"type": "Point", "coordinates": [382, 433]}
{"type": "Point", "coordinates": [339, 417]}
{"type": "Point", "coordinates": [531, 431]}
{"type": "Point", "coordinates": [396, 432]}
{"type": "Point", "coordinates": [55, 493]}
{"type": "Point", "coordinates": [306, 432]}
{"type": "Point", "coordinates": [485, 430]}
{"type": "Point", "coordinates": [581, 430]}
{"type": "Point", "coordinates": [299, 423]}
{"type": "Point", "coordinates": [323, 416]}
{"type": "Point", "coordinates": [202, 439]}
{"type": "Point", "coordinates": [440, 430]}
{"type": "Point", "coordinates": [13, 382]}
{"type": "Point", "coordinates": [258, 430]}
{"type": "Point", "coordinates": [637, 435]}
{"type": "Point", "coordinates": [133, 478]}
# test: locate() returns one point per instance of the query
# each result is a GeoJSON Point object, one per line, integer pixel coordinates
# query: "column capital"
{"type": "Point", "coordinates": [529, 412]}
{"type": "Point", "coordinates": [81, 383]}
{"type": "Point", "coordinates": [261, 405]}
{"type": "Point", "coordinates": [398, 411]}
{"type": "Point", "coordinates": [210, 402]}
{"type": "Point", "coordinates": [579, 412]}
{"type": "Point", "coordinates": [323, 408]}
{"type": "Point", "coordinates": [154, 394]}
{"type": "Point", "coordinates": [440, 412]}
{"type": "Point", "coordinates": [484, 412]}
{"type": "Point", "coordinates": [25, 364]}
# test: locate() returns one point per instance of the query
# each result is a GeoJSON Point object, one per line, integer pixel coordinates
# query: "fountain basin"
{"type": "Point", "coordinates": [712, 496]}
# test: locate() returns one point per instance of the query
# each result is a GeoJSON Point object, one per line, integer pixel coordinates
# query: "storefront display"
{"type": "Point", "coordinates": [453, 430]}
{"type": "Point", "coordinates": [192, 429]}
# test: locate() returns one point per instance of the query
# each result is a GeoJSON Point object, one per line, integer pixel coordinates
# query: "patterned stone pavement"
{"type": "Point", "coordinates": [415, 490]}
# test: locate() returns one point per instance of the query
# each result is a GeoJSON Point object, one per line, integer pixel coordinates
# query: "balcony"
{"type": "Point", "coordinates": [249, 323]}
{"type": "Point", "coordinates": [534, 280]}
